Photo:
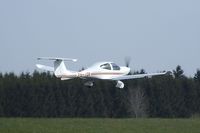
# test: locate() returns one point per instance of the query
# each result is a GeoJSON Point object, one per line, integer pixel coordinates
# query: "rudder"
{"type": "Point", "coordinates": [59, 68]}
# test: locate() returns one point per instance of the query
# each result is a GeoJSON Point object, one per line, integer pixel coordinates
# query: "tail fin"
{"type": "Point", "coordinates": [60, 68]}
{"type": "Point", "coordinates": [59, 65]}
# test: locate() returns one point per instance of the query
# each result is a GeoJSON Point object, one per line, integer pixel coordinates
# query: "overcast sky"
{"type": "Point", "coordinates": [156, 34]}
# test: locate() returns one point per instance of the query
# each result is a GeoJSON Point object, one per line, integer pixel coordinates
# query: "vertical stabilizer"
{"type": "Point", "coordinates": [59, 68]}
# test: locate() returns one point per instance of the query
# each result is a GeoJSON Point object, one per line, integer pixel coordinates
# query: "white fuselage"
{"type": "Point", "coordinates": [98, 71]}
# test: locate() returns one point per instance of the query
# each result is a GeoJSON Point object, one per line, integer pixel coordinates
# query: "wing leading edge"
{"type": "Point", "coordinates": [137, 76]}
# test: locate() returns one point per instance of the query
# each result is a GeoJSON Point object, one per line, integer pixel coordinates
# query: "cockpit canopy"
{"type": "Point", "coordinates": [110, 66]}
{"type": "Point", "coordinates": [106, 66]}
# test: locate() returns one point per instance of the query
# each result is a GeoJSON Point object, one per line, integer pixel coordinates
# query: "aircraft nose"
{"type": "Point", "coordinates": [128, 70]}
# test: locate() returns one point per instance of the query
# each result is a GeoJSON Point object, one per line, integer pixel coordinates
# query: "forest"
{"type": "Point", "coordinates": [40, 94]}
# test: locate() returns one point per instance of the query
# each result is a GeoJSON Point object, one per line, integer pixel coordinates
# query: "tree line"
{"type": "Point", "coordinates": [43, 95]}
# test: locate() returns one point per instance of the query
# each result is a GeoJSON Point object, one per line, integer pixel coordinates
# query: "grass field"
{"type": "Point", "coordinates": [76, 125]}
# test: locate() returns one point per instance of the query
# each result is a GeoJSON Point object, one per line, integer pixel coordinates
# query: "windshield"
{"type": "Point", "coordinates": [115, 67]}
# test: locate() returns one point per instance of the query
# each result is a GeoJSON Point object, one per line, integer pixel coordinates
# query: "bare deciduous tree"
{"type": "Point", "coordinates": [138, 102]}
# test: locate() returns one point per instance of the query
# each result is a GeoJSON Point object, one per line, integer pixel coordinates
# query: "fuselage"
{"type": "Point", "coordinates": [100, 70]}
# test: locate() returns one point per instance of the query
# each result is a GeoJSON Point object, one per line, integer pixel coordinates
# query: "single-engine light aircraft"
{"type": "Point", "coordinates": [100, 70]}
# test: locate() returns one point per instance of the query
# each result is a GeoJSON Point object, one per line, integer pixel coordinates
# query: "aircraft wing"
{"type": "Point", "coordinates": [137, 76]}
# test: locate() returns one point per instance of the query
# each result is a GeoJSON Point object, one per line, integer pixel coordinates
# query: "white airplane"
{"type": "Point", "coordinates": [100, 70]}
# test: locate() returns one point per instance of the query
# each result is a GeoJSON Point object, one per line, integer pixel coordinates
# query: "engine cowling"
{"type": "Point", "coordinates": [120, 84]}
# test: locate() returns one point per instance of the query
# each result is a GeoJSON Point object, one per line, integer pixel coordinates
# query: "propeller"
{"type": "Point", "coordinates": [127, 61]}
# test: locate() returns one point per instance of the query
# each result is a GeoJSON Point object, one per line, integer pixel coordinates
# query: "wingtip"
{"type": "Point", "coordinates": [74, 60]}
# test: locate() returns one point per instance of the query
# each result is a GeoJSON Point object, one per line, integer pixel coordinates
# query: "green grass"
{"type": "Point", "coordinates": [76, 125]}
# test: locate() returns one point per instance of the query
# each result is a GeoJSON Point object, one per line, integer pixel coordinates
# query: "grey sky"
{"type": "Point", "coordinates": [156, 34]}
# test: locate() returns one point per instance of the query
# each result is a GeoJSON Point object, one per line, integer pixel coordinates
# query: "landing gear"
{"type": "Point", "coordinates": [89, 84]}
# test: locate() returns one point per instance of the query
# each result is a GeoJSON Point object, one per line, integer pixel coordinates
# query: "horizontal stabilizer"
{"type": "Point", "coordinates": [57, 59]}
{"type": "Point", "coordinates": [46, 68]}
